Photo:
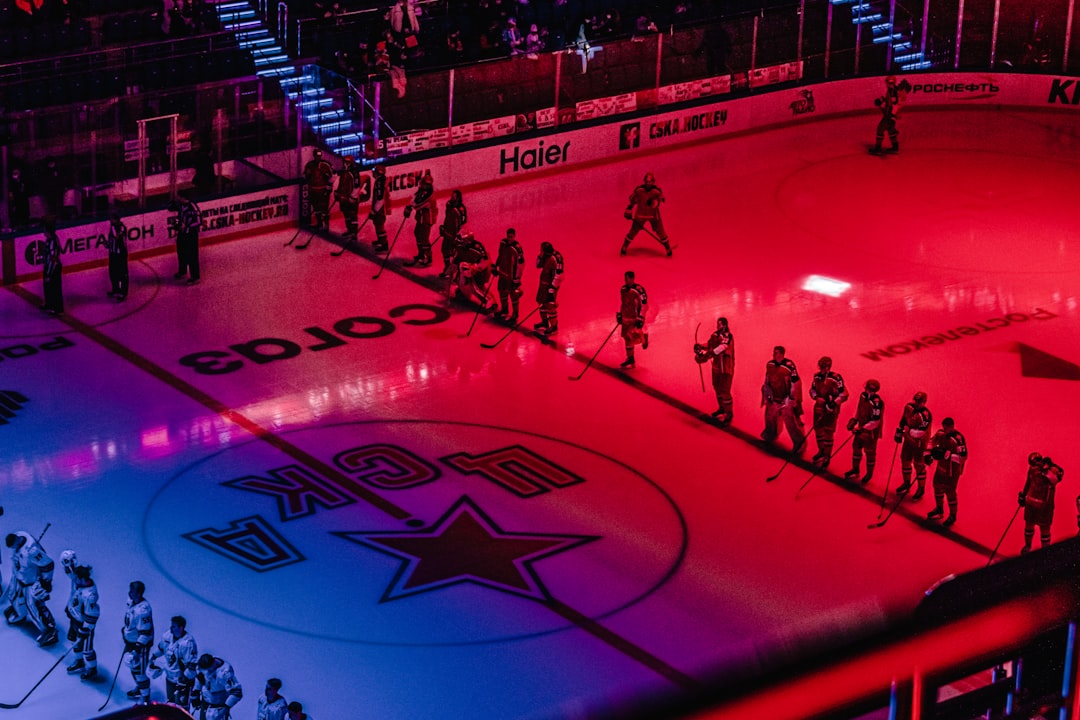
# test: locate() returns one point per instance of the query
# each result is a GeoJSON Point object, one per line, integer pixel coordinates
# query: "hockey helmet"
{"type": "Point", "coordinates": [825, 362]}
{"type": "Point", "coordinates": [546, 248]}
{"type": "Point", "coordinates": [890, 80]}
{"type": "Point", "coordinates": [920, 398]}
{"type": "Point", "coordinates": [1035, 459]}
{"type": "Point", "coordinates": [650, 179]}
{"type": "Point", "coordinates": [68, 559]}
{"type": "Point", "coordinates": [455, 195]}
{"type": "Point", "coordinates": [348, 159]}
{"type": "Point", "coordinates": [427, 179]}
{"type": "Point", "coordinates": [721, 323]}
{"type": "Point", "coordinates": [872, 385]}
{"type": "Point", "coordinates": [381, 169]}
{"type": "Point", "coordinates": [316, 153]}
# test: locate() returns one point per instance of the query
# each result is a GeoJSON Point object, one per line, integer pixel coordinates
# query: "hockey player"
{"type": "Point", "coordinates": [217, 690]}
{"type": "Point", "coordinates": [296, 712]}
{"type": "Point", "coordinates": [29, 586]}
{"type": "Point", "coordinates": [380, 208]}
{"type": "Point", "coordinates": [52, 268]}
{"type": "Point", "coordinates": [118, 257]}
{"type": "Point", "coordinates": [138, 635]}
{"type": "Point", "coordinates": [180, 653]}
{"type": "Point", "coordinates": [83, 612]}
{"type": "Point", "coordinates": [720, 349]}
{"type": "Point", "coordinates": [828, 392]}
{"type": "Point", "coordinates": [453, 226]}
{"type": "Point", "coordinates": [781, 396]}
{"type": "Point", "coordinates": [1037, 498]}
{"type": "Point", "coordinates": [866, 426]}
{"type": "Point", "coordinates": [914, 433]}
{"type": "Point", "coordinates": [508, 267]}
{"type": "Point", "coordinates": [889, 105]}
{"type": "Point", "coordinates": [633, 307]}
{"type": "Point", "coordinates": [550, 262]}
{"type": "Point", "coordinates": [471, 273]}
{"type": "Point", "coordinates": [272, 706]}
{"type": "Point", "coordinates": [423, 204]}
{"type": "Point", "coordinates": [348, 197]}
{"type": "Point", "coordinates": [188, 223]}
{"type": "Point", "coordinates": [644, 207]}
{"type": "Point", "coordinates": [949, 448]}
{"type": "Point", "coordinates": [319, 177]}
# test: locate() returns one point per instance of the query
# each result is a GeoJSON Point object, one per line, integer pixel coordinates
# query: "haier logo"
{"type": "Point", "coordinates": [1066, 92]}
{"type": "Point", "coordinates": [532, 158]}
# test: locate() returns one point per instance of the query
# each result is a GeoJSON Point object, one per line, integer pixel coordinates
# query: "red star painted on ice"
{"type": "Point", "coordinates": [465, 545]}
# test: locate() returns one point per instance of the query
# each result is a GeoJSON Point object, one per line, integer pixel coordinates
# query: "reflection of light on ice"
{"type": "Point", "coordinates": [156, 437]}
{"type": "Point", "coordinates": [825, 286]}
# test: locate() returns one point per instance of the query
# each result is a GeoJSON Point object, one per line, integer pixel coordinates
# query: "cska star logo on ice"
{"type": "Point", "coordinates": [421, 532]}
{"type": "Point", "coordinates": [465, 545]}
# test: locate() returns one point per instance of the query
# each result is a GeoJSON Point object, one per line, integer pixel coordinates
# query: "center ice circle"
{"type": "Point", "coordinates": [221, 532]}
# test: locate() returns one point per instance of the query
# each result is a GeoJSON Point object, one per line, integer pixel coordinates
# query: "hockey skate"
{"type": "Point", "coordinates": [47, 638]}
{"type": "Point", "coordinates": [935, 514]}
{"type": "Point", "coordinates": [903, 489]}
{"type": "Point", "coordinates": [540, 326]}
{"type": "Point", "coordinates": [866, 478]}
{"type": "Point", "coordinates": [88, 674]}
{"type": "Point", "coordinates": [415, 261]}
{"type": "Point", "coordinates": [667, 249]}
{"type": "Point", "coordinates": [134, 694]}
{"type": "Point", "coordinates": [625, 247]}
{"type": "Point", "coordinates": [627, 363]}
{"type": "Point", "coordinates": [918, 495]}
{"type": "Point", "coordinates": [76, 666]}
{"type": "Point", "coordinates": [851, 474]}
{"type": "Point", "coordinates": [949, 521]}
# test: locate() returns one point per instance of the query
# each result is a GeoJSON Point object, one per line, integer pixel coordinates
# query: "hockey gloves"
{"type": "Point", "coordinates": [618, 318]}
{"type": "Point", "coordinates": [1020, 498]}
{"type": "Point", "coordinates": [898, 436]}
{"type": "Point", "coordinates": [851, 425]}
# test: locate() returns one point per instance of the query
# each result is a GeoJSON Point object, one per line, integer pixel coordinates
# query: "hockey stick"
{"type": "Point", "coordinates": [479, 308]}
{"type": "Point", "coordinates": [511, 330]}
{"type": "Point", "coordinates": [12, 706]}
{"type": "Point", "coordinates": [899, 500]}
{"type": "Point", "coordinates": [389, 250]}
{"type": "Point", "coordinates": [295, 235]}
{"type": "Point", "coordinates": [595, 354]}
{"type": "Point", "coordinates": [700, 372]}
{"type": "Point", "coordinates": [818, 469]}
{"type": "Point", "coordinates": [47, 526]}
{"type": "Point", "coordinates": [888, 480]}
{"type": "Point", "coordinates": [312, 235]}
{"type": "Point", "coordinates": [338, 253]}
{"type": "Point", "coordinates": [794, 452]}
{"type": "Point", "coordinates": [1007, 528]}
{"type": "Point", "coordinates": [113, 686]}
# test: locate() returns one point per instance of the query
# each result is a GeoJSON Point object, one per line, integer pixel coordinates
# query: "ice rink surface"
{"type": "Point", "coordinates": [400, 523]}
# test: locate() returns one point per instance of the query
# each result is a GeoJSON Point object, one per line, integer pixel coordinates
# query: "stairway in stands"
{"type": "Point", "coordinates": [333, 125]}
{"type": "Point", "coordinates": [875, 14]}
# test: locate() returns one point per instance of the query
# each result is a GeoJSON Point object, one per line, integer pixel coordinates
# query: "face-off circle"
{"type": "Point", "coordinates": [415, 533]}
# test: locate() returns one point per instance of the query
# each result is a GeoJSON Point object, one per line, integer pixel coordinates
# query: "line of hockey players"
{"type": "Point", "coordinates": [496, 288]}
{"type": "Point", "coordinates": [193, 681]}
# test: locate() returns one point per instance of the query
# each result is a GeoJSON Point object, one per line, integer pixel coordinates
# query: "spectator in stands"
{"type": "Point", "coordinates": [18, 199]}
{"type": "Point", "coordinates": [455, 48]}
{"type": "Point", "coordinates": [644, 25]}
{"type": "Point", "coordinates": [406, 26]}
{"type": "Point", "coordinates": [512, 41]}
{"type": "Point", "coordinates": [205, 178]}
{"type": "Point", "coordinates": [52, 188]}
{"type": "Point", "coordinates": [534, 45]}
